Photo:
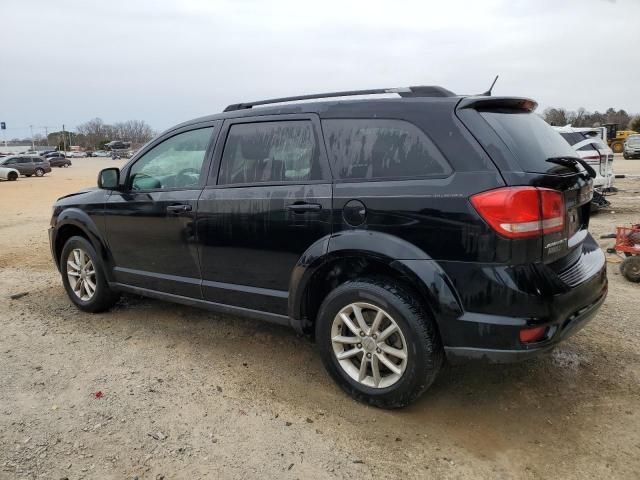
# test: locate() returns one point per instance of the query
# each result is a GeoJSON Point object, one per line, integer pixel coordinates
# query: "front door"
{"type": "Point", "coordinates": [150, 223]}
{"type": "Point", "coordinates": [270, 202]}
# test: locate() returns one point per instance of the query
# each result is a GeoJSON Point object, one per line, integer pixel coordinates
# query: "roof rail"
{"type": "Point", "coordinates": [419, 91]}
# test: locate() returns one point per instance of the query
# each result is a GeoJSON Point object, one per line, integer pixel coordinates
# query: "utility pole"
{"type": "Point", "coordinates": [33, 145]}
{"type": "Point", "coordinates": [64, 139]}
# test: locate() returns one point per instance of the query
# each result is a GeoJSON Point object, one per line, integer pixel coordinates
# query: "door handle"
{"type": "Point", "coordinates": [179, 208]}
{"type": "Point", "coordinates": [304, 207]}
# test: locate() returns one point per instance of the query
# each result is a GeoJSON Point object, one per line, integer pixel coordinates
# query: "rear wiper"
{"type": "Point", "coordinates": [572, 162]}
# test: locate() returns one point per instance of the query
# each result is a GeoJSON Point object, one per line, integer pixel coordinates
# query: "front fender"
{"type": "Point", "coordinates": [80, 219]}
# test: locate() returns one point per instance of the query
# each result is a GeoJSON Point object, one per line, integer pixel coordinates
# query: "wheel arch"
{"type": "Point", "coordinates": [75, 222]}
{"type": "Point", "coordinates": [333, 260]}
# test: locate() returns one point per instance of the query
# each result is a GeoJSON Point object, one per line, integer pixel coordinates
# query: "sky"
{"type": "Point", "coordinates": [166, 61]}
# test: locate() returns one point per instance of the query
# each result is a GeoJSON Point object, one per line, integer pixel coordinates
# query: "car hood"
{"type": "Point", "coordinates": [81, 192]}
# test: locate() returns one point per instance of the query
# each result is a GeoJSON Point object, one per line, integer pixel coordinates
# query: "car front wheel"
{"type": "Point", "coordinates": [83, 277]}
{"type": "Point", "coordinates": [39, 172]}
{"type": "Point", "coordinates": [378, 342]}
{"type": "Point", "coordinates": [12, 177]}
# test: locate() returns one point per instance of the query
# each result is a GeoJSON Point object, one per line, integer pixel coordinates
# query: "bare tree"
{"type": "Point", "coordinates": [95, 132]}
{"type": "Point", "coordinates": [137, 132]}
{"type": "Point", "coordinates": [556, 116]}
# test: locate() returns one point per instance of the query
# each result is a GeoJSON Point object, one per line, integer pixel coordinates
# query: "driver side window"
{"type": "Point", "coordinates": [174, 163]}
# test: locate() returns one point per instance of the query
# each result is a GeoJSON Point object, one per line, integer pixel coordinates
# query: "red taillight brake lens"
{"type": "Point", "coordinates": [521, 212]}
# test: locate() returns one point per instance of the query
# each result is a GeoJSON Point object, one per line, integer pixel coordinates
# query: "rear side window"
{"type": "Point", "coordinates": [530, 139]}
{"type": "Point", "coordinates": [270, 152]}
{"type": "Point", "coordinates": [572, 137]}
{"type": "Point", "coordinates": [379, 148]}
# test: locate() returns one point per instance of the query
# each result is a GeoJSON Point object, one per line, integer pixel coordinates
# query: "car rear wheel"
{"type": "Point", "coordinates": [83, 277]}
{"type": "Point", "coordinates": [39, 172]}
{"type": "Point", "coordinates": [378, 342]}
{"type": "Point", "coordinates": [12, 177]}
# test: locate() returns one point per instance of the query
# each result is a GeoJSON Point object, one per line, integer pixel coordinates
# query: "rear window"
{"type": "Point", "coordinates": [381, 149]}
{"type": "Point", "coordinates": [530, 139]}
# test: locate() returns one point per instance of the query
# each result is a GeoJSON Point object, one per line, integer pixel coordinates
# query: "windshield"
{"type": "Point", "coordinates": [530, 138]}
{"type": "Point", "coordinates": [635, 140]}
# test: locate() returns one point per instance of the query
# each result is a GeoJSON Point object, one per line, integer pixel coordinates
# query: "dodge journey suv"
{"type": "Point", "coordinates": [395, 232]}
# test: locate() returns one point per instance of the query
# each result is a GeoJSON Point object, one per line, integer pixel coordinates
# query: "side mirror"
{"type": "Point", "coordinates": [109, 179]}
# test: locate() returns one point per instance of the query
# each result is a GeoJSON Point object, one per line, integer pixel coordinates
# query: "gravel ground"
{"type": "Point", "coordinates": [185, 393]}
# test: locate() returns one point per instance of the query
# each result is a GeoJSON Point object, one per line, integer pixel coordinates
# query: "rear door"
{"type": "Point", "coordinates": [25, 166]}
{"type": "Point", "coordinates": [529, 151]}
{"type": "Point", "coordinates": [267, 201]}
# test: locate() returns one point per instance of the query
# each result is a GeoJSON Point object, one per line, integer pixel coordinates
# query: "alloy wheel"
{"type": "Point", "coordinates": [81, 274]}
{"type": "Point", "coordinates": [369, 345]}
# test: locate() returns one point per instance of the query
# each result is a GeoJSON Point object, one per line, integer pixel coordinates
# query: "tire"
{"type": "Point", "coordinates": [630, 268]}
{"type": "Point", "coordinates": [625, 156]}
{"type": "Point", "coordinates": [103, 297]}
{"type": "Point", "coordinates": [12, 176]}
{"type": "Point", "coordinates": [617, 147]}
{"type": "Point", "coordinates": [416, 337]}
{"type": "Point", "coordinates": [27, 175]}
{"type": "Point", "coordinates": [39, 172]}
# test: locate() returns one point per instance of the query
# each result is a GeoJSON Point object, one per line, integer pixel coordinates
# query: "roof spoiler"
{"type": "Point", "coordinates": [515, 103]}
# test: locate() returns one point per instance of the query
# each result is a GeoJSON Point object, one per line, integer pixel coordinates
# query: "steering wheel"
{"type": "Point", "coordinates": [139, 180]}
{"type": "Point", "coordinates": [186, 176]}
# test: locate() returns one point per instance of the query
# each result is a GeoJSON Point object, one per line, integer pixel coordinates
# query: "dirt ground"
{"type": "Point", "coordinates": [190, 394]}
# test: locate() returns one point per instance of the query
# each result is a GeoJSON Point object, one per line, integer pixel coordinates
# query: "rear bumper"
{"type": "Point", "coordinates": [500, 301]}
{"type": "Point", "coordinates": [564, 330]}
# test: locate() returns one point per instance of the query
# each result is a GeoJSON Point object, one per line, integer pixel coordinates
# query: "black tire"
{"type": "Point", "coordinates": [625, 156]}
{"type": "Point", "coordinates": [424, 349]}
{"type": "Point", "coordinates": [12, 177]}
{"type": "Point", "coordinates": [39, 172]}
{"type": "Point", "coordinates": [103, 297]}
{"type": "Point", "coordinates": [630, 268]}
{"type": "Point", "coordinates": [27, 175]}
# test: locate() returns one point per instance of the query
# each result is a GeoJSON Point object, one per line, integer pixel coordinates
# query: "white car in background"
{"type": "Point", "coordinates": [588, 143]}
{"type": "Point", "coordinates": [10, 174]}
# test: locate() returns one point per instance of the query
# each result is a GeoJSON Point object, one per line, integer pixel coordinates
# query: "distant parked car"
{"type": "Point", "coordinates": [49, 155]}
{"type": "Point", "coordinates": [59, 162]}
{"type": "Point", "coordinates": [75, 154]}
{"type": "Point", "coordinates": [10, 174]}
{"type": "Point", "coordinates": [632, 147]}
{"type": "Point", "coordinates": [89, 153]}
{"type": "Point", "coordinates": [27, 165]}
{"type": "Point", "coordinates": [101, 153]}
{"type": "Point", "coordinates": [594, 151]}
{"type": "Point", "coordinates": [44, 153]}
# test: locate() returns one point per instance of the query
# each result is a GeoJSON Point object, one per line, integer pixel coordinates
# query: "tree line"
{"type": "Point", "coordinates": [93, 135]}
{"type": "Point", "coordinates": [583, 118]}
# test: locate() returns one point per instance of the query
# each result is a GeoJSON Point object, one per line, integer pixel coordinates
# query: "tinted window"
{"type": "Point", "coordinates": [572, 137]}
{"type": "Point", "coordinates": [24, 160]}
{"type": "Point", "coordinates": [588, 147]}
{"type": "Point", "coordinates": [371, 149]}
{"type": "Point", "coordinates": [175, 163]}
{"type": "Point", "coordinates": [270, 152]}
{"type": "Point", "coordinates": [530, 139]}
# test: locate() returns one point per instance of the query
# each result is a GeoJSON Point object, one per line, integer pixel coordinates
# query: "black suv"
{"type": "Point", "coordinates": [395, 231]}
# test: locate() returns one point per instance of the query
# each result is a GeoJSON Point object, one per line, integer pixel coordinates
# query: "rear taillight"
{"type": "Point", "coordinates": [593, 159]}
{"type": "Point", "coordinates": [521, 212]}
